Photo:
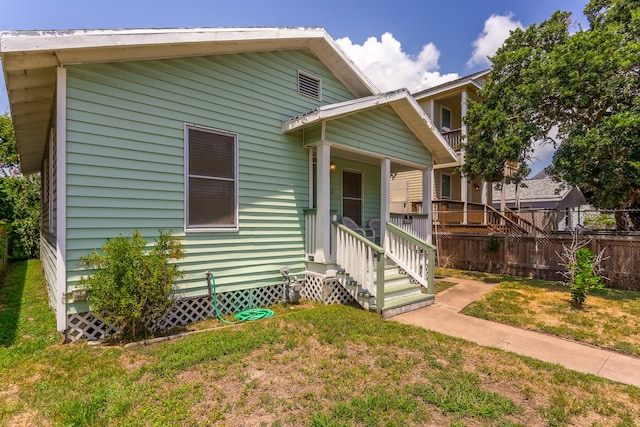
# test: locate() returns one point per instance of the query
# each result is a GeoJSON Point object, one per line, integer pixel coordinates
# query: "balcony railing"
{"type": "Point", "coordinates": [453, 138]}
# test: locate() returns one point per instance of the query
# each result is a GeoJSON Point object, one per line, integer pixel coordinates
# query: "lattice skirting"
{"type": "Point", "coordinates": [327, 290]}
{"type": "Point", "coordinates": [188, 310]}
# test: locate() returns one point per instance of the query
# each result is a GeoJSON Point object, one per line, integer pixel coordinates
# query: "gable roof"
{"type": "Point", "coordinates": [536, 190]}
{"type": "Point", "coordinates": [30, 58]}
{"type": "Point", "coordinates": [402, 103]}
{"type": "Point", "coordinates": [471, 79]}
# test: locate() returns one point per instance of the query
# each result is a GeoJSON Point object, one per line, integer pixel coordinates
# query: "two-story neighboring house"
{"type": "Point", "coordinates": [463, 199]}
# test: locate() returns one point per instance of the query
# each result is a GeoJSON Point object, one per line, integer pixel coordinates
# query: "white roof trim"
{"type": "Point", "coordinates": [425, 131]}
{"type": "Point", "coordinates": [454, 84]}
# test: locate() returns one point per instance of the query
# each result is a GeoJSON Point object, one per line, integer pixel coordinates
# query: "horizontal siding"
{"type": "Point", "coordinates": [379, 131]}
{"type": "Point", "coordinates": [125, 152]}
{"type": "Point", "coordinates": [414, 184]}
{"type": "Point", "coordinates": [49, 266]}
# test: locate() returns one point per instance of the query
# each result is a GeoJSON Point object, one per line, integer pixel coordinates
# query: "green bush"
{"type": "Point", "coordinates": [584, 276]}
{"type": "Point", "coordinates": [20, 207]}
{"type": "Point", "coordinates": [132, 286]}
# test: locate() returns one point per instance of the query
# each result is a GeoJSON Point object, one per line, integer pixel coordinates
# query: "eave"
{"type": "Point", "coordinates": [30, 58]}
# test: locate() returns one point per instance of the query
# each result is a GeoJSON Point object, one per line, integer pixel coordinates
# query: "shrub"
{"type": "Point", "coordinates": [583, 268]}
{"type": "Point", "coordinates": [584, 276]}
{"type": "Point", "coordinates": [20, 207]}
{"type": "Point", "coordinates": [132, 286]}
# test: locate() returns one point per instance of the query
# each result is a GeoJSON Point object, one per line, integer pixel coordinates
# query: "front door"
{"type": "Point", "coordinates": [352, 195]}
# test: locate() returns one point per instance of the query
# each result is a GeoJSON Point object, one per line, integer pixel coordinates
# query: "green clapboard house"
{"type": "Point", "coordinates": [251, 144]}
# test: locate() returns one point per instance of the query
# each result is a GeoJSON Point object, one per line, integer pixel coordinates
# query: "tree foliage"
{"type": "Point", "coordinates": [19, 198]}
{"type": "Point", "coordinates": [584, 85]}
{"type": "Point", "coordinates": [8, 150]}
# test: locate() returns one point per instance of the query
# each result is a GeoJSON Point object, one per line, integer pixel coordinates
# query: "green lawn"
{"type": "Point", "coordinates": [322, 366]}
{"type": "Point", "coordinates": [609, 319]}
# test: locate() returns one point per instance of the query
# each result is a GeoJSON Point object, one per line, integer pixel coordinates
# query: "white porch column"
{"type": "Point", "coordinates": [323, 214]}
{"type": "Point", "coordinates": [385, 194]}
{"type": "Point", "coordinates": [464, 187]}
{"type": "Point", "coordinates": [427, 199]}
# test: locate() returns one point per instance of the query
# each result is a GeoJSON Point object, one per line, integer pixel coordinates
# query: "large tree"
{"type": "Point", "coordinates": [583, 83]}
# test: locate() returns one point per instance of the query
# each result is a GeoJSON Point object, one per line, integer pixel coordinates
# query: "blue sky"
{"type": "Point", "coordinates": [400, 43]}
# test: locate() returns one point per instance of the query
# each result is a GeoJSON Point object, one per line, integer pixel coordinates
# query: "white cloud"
{"type": "Point", "coordinates": [543, 152]}
{"type": "Point", "coordinates": [389, 68]}
{"type": "Point", "coordinates": [496, 30]}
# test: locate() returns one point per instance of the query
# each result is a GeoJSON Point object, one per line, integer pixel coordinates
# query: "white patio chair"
{"type": "Point", "coordinates": [374, 225]}
{"type": "Point", "coordinates": [365, 232]}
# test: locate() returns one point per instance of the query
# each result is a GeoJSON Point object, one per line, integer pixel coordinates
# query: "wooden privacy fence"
{"type": "Point", "coordinates": [528, 256]}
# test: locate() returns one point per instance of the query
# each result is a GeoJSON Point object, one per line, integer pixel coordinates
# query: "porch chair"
{"type": "Point", "coordinates": [374, 225]}
{"type": "Point", "coordinates": [365, 232]}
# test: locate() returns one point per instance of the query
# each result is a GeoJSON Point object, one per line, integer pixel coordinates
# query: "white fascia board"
{"type": "Point", "coordinates": [29, 41]}
{"type": "Point", "coordinates": [341, 109]}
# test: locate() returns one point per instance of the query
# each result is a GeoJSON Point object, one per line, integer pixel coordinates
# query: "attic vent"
{"type": "Point", "coordinates": [309, 86]}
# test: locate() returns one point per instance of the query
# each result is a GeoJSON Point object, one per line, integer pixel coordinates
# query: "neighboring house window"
{"type": "Point", "coordinates": [352, 195]}
{"type": "Point", "coordinates": [212, 179]}
{"type": "Point", "coordinates": [445, 187]}
{"type": "Point", "coordinates": [309, 85]}
{"type": "Point", "coordinates": [445, 119]}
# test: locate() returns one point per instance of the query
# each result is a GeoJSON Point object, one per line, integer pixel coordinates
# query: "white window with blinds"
{"type": "Point", "coordinates": [211, 180]}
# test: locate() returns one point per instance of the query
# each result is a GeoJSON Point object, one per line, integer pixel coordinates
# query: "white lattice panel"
{"type": "Point", "coordinates": [327, 290]}
{"type": "Point", "coordinates": [184, 311]}
{"type": "Point", "coordinates": [87, 326]}
{"type": "Point", "coordinates": [312, 287]}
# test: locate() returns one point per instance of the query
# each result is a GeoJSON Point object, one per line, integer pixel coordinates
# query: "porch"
{"type": "Point", "coordinates": [394, 277]}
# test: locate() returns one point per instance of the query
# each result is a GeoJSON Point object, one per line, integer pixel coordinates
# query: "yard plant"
{"type": "Point", "coordinates": [131, 287]}
{"type": "Point", "coordinates": [315, 366]}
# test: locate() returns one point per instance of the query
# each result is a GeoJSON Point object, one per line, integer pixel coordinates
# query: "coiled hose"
{"type": "Point", "coordinates": [250, 314]}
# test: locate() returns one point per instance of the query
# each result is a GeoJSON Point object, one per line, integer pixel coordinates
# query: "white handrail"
{"type": "Point", "coordinates": [415, 257]}
{"type": "Point", "coordinates": [358, 257]}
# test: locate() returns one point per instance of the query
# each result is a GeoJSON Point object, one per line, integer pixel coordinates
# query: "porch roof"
{"type": "Point", "coordinates": [402, 103]}
{"type": "Point", "coordinates": [453, 86]}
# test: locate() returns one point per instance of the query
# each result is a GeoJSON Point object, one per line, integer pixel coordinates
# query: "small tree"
{"type": "Point", "coordinates": [132, 287]}
{"type": "Point", "coordinates": [583, 269]}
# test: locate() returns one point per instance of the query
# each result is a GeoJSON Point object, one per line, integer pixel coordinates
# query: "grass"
{"type": "Point", "coordinates": [321, 366]}
{"type": "Point", "coordinates": [609, 319]}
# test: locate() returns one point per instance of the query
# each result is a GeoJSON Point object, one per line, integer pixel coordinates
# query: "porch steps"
{"type": "Point", "coordinates": [400, 295]}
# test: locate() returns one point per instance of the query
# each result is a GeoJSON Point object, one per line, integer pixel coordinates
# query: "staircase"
{"type": "Point", "coordinates": [400, 294]}
{"type": "Point", "coordinates": [391, 280]}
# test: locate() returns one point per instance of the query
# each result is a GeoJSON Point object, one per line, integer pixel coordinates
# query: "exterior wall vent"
{"type": "Point", "coordinates": [309, 85]}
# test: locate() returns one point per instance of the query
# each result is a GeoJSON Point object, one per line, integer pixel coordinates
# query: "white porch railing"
{"type": "Point", "coordinates": [359, 258]}
{"type": "Point", "coordinates": [417, 224]}
{"type": "Point", "coordinates": [415, 257]}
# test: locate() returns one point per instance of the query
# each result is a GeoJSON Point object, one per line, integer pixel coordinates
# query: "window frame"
{"type": "Point", "coordinates": [189, 228]}
{"type": "Point", "coordinates": [442, 196]}
{"type": "Point", "coordinates": [442, 125]}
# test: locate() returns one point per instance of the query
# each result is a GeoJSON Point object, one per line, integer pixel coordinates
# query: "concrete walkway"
{"type": "Point", "coordinates": [444, 317]}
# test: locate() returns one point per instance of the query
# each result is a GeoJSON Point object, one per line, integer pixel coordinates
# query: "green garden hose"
{"type": "Point", "coordinates": [250, 314]}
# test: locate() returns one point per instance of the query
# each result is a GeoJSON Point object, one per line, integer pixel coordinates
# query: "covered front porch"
{"type": "Point", "coordinates": [351, 239]}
